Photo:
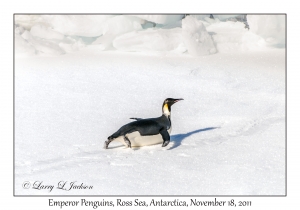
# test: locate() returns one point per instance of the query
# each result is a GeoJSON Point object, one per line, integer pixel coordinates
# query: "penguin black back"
{"type": "Point", "coordinates": [148, 127]}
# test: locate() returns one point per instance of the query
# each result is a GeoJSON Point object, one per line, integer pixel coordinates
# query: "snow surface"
{"type": "Point", "coordinates": [228, 135]}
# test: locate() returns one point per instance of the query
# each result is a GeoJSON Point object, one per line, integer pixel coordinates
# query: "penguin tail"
{"type": "Point", "coordinates": [134, 118]}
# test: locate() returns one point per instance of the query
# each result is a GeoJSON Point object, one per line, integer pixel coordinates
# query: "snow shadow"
{"type": "Point", "coordinates": [178, 138]}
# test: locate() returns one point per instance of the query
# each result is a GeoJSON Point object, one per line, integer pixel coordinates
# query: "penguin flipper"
{"type": "Point", "coordinates": [166, 137]}
{"type": "Point", "coordinates": [134, 118]}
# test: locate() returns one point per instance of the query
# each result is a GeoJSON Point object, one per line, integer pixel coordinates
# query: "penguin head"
{"type": "Point", "coordinates": [166, 107]}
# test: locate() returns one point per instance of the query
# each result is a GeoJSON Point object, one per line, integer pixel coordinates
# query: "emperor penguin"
{"type": "Point", "coordinates": [149, 131]}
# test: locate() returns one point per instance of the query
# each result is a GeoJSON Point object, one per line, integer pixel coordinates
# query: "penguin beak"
{"type": "Point", "coordinates": [179, 99]}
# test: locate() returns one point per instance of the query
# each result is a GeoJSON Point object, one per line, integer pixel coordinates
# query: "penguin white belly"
{"type": "Point", "coordinates": [137, 140]}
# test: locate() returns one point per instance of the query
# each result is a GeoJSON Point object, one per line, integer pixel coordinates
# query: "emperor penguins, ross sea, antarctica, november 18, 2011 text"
{"type": "Point", "coordinates": [143, 132]}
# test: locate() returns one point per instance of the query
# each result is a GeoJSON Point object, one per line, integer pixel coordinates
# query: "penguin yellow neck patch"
{"type": "Point", "coordinates": [166, 109]}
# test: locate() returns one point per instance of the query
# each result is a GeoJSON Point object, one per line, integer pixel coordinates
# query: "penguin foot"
{"type": "Point", "coordinates": [165, 143]}
{"type": "Point", "coordinates": [106, 143]}
{"type": "Point", "coordinates": [127, 142]}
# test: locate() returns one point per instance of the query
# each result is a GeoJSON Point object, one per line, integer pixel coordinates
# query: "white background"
{"type": "Point", "coordinates": [6, 82]}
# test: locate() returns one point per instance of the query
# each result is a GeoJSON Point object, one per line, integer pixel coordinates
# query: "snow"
{"type": "Point", "coordinates": [45, 32]}
{"type": "Point", "coordinates": [228, 134]}
{"type": "Point", "coordinates": [161, 19]}
{"type": "Point", "coordinates": [78, 25]}
{"type": "Point", "coordinates": [196, 38]}
{"type": "Point", "coordinates": [43, 46]}
{"type": "Point", "coordinates": [115, 27]}
{"type": "Point", "coordinates": [233, 37]}
{"type": "Point", "coordinates": [22, 46]}
{"type": "Point", "coordinates": [151, 40]}
{"type": "Point", "coordinates": [224, 17]}
{"type": "Point", "coordinates": [194, 34]}
{"type": "Point", "coordinates": [270, 27]}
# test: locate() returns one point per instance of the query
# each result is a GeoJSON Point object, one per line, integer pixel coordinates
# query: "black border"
{"type": "Point", "coordinates": [14, 176]}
